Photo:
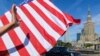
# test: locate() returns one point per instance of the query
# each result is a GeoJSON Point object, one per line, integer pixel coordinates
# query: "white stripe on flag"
{"type": "Point", "coordinates": [23, 37]}
{"type": "Point", "coordinates": [50, 16]}
{"type": "Point", "coordinates": [53, 6]}
{"type": "Point", "coordinates": [9, 44]}
{"type": "Point", "coordinates": [42, 22]}
{"type": "Point", "coordinates": [32, 28]}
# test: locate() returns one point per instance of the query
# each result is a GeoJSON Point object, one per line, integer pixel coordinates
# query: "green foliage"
{"type": "Point", "coordinates": [88, 45]}
{"type": "Point", "coordinates": [99, 43]}
{"type": "Point", "coordinates": [67, 45]}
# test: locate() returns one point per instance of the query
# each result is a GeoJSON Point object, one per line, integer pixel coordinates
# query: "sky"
{"type": "Point", "coordinates": [76, 8]}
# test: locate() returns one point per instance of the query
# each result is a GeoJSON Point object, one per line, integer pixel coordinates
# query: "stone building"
{"type": "Point", "coordinates": [88, 35]}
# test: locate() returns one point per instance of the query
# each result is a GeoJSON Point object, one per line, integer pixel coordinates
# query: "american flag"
{"type": "Point", "coordinates": [42, 25]}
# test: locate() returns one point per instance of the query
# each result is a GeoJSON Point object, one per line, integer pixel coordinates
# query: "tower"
{"type": "Point", "coordinates": [88, 35]}
{"type": "Point", "coordinates": [88, 32]}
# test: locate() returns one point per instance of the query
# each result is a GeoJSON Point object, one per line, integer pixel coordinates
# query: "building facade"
{"type": "Point", "coordinates": [88, 35]}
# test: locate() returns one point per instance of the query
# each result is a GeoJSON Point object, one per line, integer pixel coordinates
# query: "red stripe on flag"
{"type": "Point", "coordinates": [53, 11]}
{"type": "Point", "coordinates": [71, 19]}
{"type": "Point", "coordinates": [47, 20]}
{"type": "Point", "coordinates": [3, 49]}
{"type": "Point", "coordinates": [15, 39]}
{"type": "Point", "coordinates": [49, 38]}
{"type": "Point", "coordinates": [32, 39]}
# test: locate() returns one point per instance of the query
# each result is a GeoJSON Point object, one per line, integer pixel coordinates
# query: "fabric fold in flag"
{"type": "Point", "coordinates": [71, 19]}
{"type": "Point", "coordinates": [41, 26]}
